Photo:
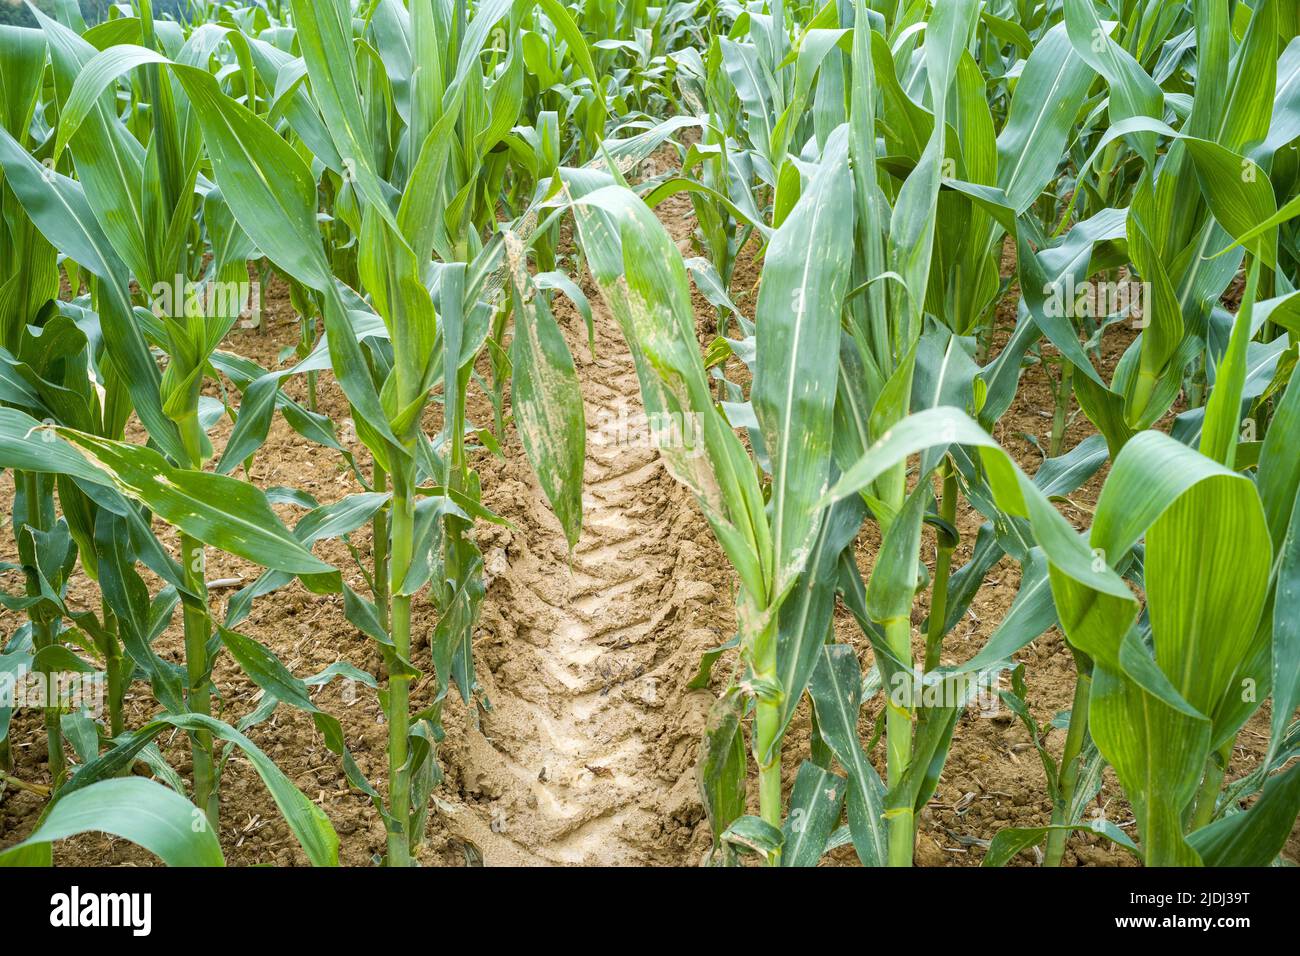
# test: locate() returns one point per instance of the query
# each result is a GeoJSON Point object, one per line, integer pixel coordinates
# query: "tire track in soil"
{"type": "Point", "coordinates": [587, 754]}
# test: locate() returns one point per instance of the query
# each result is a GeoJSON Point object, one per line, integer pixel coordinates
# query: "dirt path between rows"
{"type": "Point", "coordinates": [587, 753]}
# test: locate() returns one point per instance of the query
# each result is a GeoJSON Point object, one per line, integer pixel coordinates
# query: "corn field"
{"type": "Point", "coordinates": [614, 432]}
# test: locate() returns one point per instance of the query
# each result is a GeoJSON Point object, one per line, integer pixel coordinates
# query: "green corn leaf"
{"type": "Point", "coordinates": [815, 805]}
{"type": "Point", "coordinates": [836, 690]}
{"type": "Point", "coordinates": [217, 510]}
{"type": "Point", "coordinates": [59, 209]}
{"type": "Point", "coordinates": [720, 772]}
{"type": "Point", "coordinates": [1256, 836]}
{"type": "Point", "coordinates": [1286, 635]}
{"type": "Point", "coordinates": [1239, 194]}
{"type": "Point", "coordinates": [1012, 840]}
{"type": "Point", "coordinates": [805, 617]}
{"type": "Point", "coordinates": [1157, 744]}
{"type": "Point", "coordinates": [804, 281]}
{"type": "Point", "coordinates": [1048, 96]}
{"type": "Point", "coordinates": [1132, 91]}
{"type": "Point", "coordinates": [549, 413]}
{"type": "Point", "coordinates": [133, 808]}
{"type": "Point", "coordinates": [269, 673]}
{"type": "Point", "coordinates": [755, 835]}
{"type": "Point", "coordinates": [1223, 410]}
{"type": "Point", "coordinates": [306, 820]}
{"type": "Point", "coordinates": [325, 37]}
{"type": "Point", "coordinates": [1206, 573]}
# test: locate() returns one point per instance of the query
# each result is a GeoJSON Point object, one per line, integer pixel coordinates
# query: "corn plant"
{"type": "Point", "coordinates": [792, 555]}
{"type": "Point", "coordinates": [31, 278]}
{"type": "Point", "coordinates": [142, 811]}
{"type": "Point", "coordinates": [273, 198]}
{"type": "Point", "coordinates": [1172, 686]}
{"type": "Point", "coordinates": [102, 502]}
{"type": "Point", "coordinates": [167, 405]}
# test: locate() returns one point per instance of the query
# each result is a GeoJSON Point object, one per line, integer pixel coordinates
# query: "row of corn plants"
{"type": "Point", "coordinates": [860, 150]}
{"type": "Point", "coordinates": [141, 153]}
